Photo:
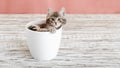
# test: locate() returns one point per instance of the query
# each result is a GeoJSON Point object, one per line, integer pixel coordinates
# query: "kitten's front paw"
{"type": "Point", "coordinates": [34, 28]}
{"type": "Point", "coordinates": [52, 30]}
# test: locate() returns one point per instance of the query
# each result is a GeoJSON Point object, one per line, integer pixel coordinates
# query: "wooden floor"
{"type": "Point", "coordinates": [88, 41]}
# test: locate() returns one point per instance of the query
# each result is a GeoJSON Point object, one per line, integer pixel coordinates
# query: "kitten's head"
{"type": "Point", "coordinates": [56, 19]}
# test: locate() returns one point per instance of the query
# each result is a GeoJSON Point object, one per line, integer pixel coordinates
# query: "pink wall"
{"type": "Point", "coordinates": [72, 6]}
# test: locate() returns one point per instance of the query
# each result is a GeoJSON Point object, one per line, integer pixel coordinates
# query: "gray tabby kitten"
{"type": "Point", "coordinates": [54, 21]}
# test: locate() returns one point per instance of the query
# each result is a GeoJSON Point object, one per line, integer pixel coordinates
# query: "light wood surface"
{"type": "Point", "coordinates": [88, 41]}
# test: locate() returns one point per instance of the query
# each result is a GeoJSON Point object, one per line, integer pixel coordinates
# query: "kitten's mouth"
{"type": "Point", "coordinates": [58, 27]}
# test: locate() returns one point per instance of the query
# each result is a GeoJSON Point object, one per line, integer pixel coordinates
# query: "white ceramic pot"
{"type": "Point", "coordinates": [43, 45]}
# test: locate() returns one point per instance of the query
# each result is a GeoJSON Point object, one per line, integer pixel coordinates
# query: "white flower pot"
{"type": "Point", "coordinates": [43, 45]}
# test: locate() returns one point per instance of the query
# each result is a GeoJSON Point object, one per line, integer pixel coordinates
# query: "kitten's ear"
{"type": "Point", "coordinates": [49, 10]}
{"type": "Point", "coordinates": [62, 12]}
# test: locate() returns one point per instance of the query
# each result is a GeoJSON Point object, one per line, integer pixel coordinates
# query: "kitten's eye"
{"type": "Point", "coordinates": [52, 19]}
{"type": "Point", "coordinates": [58, 19]}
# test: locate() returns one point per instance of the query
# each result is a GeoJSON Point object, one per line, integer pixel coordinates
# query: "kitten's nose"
{"type": "Point", "coordinates": [55, 23]}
